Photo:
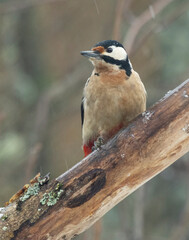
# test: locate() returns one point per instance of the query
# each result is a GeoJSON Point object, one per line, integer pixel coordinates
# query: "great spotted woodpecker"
{"type": "Point", "coordinates": [113, 95]}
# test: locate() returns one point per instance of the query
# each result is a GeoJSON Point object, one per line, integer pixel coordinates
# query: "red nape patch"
{"type": "Point", "coordinates": [88, 148]}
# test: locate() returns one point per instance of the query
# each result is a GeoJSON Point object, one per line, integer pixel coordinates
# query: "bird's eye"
{"type": "Point", "coordinates": [109, 50]}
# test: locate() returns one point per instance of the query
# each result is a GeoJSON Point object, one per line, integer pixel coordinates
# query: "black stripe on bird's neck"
{"type": "Point", "coordinates": [123, 64]}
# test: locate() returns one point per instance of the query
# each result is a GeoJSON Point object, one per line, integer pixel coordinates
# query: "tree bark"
{"type": "Point", "coordinates": [78, 198]}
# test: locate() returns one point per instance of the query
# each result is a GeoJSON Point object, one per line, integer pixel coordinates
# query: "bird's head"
{"type": "Point", "coordinates": [109, 54]}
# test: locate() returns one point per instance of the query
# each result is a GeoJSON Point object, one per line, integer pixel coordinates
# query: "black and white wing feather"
{"type": "Point", "coordinates": [82, 111]}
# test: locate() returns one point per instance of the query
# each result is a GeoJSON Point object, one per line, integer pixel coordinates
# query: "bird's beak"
{"type": "Point", "coordinates": [91, 54]}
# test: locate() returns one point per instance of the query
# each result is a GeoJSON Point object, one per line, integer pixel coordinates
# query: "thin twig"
{"type": "Point", "coordinates": [159, 25]}
{"type": "Point", "coordinates": [96, 6]}
{"type": "Point", "coordinates": [140, 21]}
{"type": "Point", "coordinates": [118, 19]}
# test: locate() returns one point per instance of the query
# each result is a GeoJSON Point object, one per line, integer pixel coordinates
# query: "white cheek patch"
{"type": "Point", "coordinates": [118, 53]}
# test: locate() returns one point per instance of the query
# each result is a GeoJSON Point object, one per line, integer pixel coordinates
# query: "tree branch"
{"type": "Point", "coordinates": [158, 26]}
{"type": "Point", "coordinates": [78, 198]}
{"type": "Point", "coordinates": [122, 6]}
{"type": "Point", "coordinates": [140, 21]}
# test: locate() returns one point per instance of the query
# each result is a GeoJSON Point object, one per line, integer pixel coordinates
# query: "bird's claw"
{"type": "Point", "coordinates": [98, 144]}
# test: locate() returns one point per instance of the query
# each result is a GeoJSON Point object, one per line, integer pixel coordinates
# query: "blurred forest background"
{"type": "Point", "coordinates": [41, 79]}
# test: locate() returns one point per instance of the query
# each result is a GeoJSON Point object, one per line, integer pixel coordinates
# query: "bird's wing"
{"type": "Point", "coordinates": [82, 111]}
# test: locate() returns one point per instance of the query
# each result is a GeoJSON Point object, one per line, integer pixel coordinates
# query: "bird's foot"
{"type": "Point", "coordinates": [98, 143]}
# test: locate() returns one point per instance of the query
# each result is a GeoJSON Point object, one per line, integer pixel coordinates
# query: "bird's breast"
{"type": "Point", "coordinates": [111, 100]}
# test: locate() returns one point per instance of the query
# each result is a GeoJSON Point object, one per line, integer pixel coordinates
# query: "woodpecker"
{"type": "Point", "coordinates": [113, 95]}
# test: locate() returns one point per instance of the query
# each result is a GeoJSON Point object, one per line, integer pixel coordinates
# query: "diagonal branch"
{"type": "Point", "coordinates": [159, 26]}
{"type": "Point", "coordinates": [142, 20]}
{"type": "Point", "coordinates": [78, 198]}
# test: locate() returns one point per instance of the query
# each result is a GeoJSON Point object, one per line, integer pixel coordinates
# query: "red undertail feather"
{"type": "Point", "coordinates": [87, 148]}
